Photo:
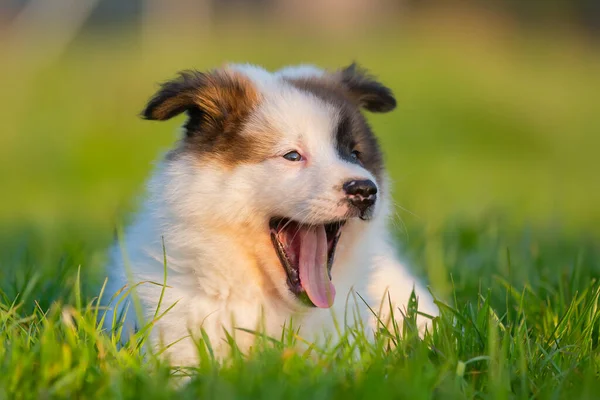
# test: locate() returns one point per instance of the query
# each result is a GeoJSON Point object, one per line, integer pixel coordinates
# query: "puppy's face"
{"type": "Point", "coordinates": [288, 156]}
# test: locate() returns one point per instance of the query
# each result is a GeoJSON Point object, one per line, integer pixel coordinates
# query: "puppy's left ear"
{"type": "Point", "coordinates": [366, 90]}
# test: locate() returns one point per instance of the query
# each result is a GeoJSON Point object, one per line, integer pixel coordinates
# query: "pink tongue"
{"type": "Point", "coordinates": [314, 277]}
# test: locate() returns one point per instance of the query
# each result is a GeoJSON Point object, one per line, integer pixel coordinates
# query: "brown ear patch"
{"type": "Point", "coordinates": [218, 105]}
{"type": "Point", "coordinates": [217, 95]}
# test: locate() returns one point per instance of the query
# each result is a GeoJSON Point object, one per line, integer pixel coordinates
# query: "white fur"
{"type": "Point", "coordinates": [222, 269]}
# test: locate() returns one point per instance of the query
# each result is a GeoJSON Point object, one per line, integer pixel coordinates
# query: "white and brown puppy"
{"type": "Point", "coordinates": [274, 205]}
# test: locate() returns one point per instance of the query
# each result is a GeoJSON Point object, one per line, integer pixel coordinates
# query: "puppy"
{"type": "Point", "coordinates": [272, 207]}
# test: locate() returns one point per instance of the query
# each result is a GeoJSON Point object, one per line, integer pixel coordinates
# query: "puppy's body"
{"type": "Point", "coordinates": [266, 208]}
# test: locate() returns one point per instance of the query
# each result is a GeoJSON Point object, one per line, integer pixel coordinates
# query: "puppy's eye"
{"type": "Point", "coordinates": [293, 156]}
{"type": "Point", "coordinates": [355, 155]}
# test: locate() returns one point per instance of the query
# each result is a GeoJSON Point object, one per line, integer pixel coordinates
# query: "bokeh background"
{"type": "Point", "coordinates": [494, 147]}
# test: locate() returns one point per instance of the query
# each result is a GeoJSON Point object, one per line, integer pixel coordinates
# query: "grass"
{"type": "Point", "coordinates": [493, 152]}
{"type": "Point", "coordinates": [532, 332]}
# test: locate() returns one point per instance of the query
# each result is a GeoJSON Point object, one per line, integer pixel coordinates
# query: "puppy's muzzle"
{"type": "Point", "coordinates": [362, 194]}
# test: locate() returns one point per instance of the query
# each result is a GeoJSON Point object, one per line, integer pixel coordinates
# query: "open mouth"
{"type": "Point", "coordinates": [306, 253]}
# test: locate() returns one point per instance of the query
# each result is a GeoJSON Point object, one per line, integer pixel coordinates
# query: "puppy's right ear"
{"type": "Point", "coordinates": [175, 97]}
{"type": "Point", "coordinates": [214, 100]}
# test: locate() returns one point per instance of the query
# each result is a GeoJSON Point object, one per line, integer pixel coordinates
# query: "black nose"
{"type": "Point", "coordinates": [361, 194]}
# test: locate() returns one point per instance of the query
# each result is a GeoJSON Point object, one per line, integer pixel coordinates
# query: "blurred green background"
{"type": "Point", "coordinates": [494, 146]}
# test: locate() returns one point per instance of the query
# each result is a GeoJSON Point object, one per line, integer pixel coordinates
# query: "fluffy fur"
{"type": "Point", "coordinates": [211, 198]}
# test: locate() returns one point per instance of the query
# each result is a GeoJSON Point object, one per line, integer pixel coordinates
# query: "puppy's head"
{"type": "Point", "coordinates": [286, 156]}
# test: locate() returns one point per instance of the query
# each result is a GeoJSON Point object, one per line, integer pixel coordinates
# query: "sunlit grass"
{"type": "Point", "coordinates": [541, 344]}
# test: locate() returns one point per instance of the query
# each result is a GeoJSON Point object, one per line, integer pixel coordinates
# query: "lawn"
{"type": "Point", "coordinates": [494, 154]}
